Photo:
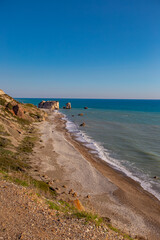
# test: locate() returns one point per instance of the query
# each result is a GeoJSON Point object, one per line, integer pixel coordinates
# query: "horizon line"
{"type": "Point", "coordinates": [87, 98]}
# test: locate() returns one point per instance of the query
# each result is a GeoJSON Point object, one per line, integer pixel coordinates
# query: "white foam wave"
{"type": "Point", "coordinates": [103, 154]}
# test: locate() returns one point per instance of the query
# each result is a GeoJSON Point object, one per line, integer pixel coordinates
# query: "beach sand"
{"type": "Point", "coordinates": [99, 187]}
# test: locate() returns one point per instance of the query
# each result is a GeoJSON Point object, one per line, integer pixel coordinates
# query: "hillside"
{"type": "Point", "coordinates": [31, 208]}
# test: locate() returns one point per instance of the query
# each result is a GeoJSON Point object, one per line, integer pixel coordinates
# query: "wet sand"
{"type": "Point", "coordinates": [111, 193]}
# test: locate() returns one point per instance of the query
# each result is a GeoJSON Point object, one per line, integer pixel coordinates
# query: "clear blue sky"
{"type": "Point", "coordinates": [83, 48]}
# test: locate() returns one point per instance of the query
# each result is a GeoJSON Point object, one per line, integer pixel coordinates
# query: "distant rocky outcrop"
{"type": "Point", "coordinates": [53, 105]}
{"type": "Point", "coordinates": [82, 124]}
{"type": "Point", "coordinates": [85, 107]}
{"type": "Point", "coordinates": [68, 105]}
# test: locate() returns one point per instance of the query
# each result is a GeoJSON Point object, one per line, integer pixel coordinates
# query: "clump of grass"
{"type": "Point", "coordinates": [9, 106]}
{"type": "Point", "coordinates": [3, 132]}
{"type": "Point", "coordinates": [88, 216]}
{"type": "Point", "coordinates": [53, 205]}
{"type": "Point", "coordinates": [10, 161]}
{"type": "Point", "coordinates": [4, 142]}
{"type": "Point", "coordinates": [66, 208]}
{"type": "Point", "coordinates": [16, 180]}
{"type": "Point", "coordinates": [36, 116]}
{"type": "Point", "coordinates": [22, 121]}
{"type": "Point", "coordinates": [1, 128]}
{"type": "Point", "coordinates": [23, 179]}
{"type": "Point", "coordinates": [120, 232]}
{"type": "Point", "coordinates": [2, 101]}
{"type": "Point", "coordinates": [30, 105]}
{"type": "Point", "coordinates": [27, 144]}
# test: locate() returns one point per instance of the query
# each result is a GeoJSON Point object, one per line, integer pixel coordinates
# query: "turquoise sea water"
{"type": "Point", "coordinates": [124, 133]}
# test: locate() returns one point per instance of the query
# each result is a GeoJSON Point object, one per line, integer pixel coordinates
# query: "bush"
{"type": "Point", "coordinates": [30, 105]}
{"type": "Point", "coordinates": [2, 102]}
{"type": "Point", "coordinates": [9, 106]}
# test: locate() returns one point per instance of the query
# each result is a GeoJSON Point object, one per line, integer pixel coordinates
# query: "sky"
{"type": "Point", "coordinates": [80, 49]}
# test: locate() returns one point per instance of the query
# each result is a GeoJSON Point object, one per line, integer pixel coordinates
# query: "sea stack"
{"type": "Point", "coordinates": [68, 105]}
{"type": "Point", "coordinates": [53, 105]}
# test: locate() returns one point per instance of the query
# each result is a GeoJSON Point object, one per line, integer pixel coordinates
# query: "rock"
{"type": "Point", "coordinates": [78, 205]}
{"type": "Point", "coordinates": [68, 105]}
{"type": "Point", "coordinates": [82, 124]}
{"type": "Point", "coordinates": [64, 186]}
{"type": "Point", "coordinates": [87, 196]}
{"type": "Point", "coordinates": [70, 191]}
{"type": "Point", "coordinates": [72, 115]}
{"type": "Point", "coordinates": [80, 114]}
{"type": "Point", "coordinates": [53, 105]}
{"type": "Point", "coordinates": [64, 107]}
{"type": "Point", "coordinates": [74, 194]}
{"type": "Point", "coordinates": [85, 107]}
{"type": "Point", "coordinates": [155, 177]}
{"type": "Point", "coordinates": [18, 111]}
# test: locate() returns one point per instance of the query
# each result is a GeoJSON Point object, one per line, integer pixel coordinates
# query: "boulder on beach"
{"type": "Point", "coordinates": [80, 114]}
{"type": "Point", "coordinates": [82, 124]}
{"type": "Point", "coordinates": [68, 105]}
{"type": "Point", "coordinates": [155, 177]}
{"type": "Point", "coordinates": [53, 105]}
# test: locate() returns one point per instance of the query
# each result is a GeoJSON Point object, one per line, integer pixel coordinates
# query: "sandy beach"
{"type": "Point", "coordinates": [59, 157]}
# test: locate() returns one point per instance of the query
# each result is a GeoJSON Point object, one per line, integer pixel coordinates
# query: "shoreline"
{"type": "Point", "coordinates": [99, 159]}
{"type": "Point", "coordinates": [113, 165]}
{"type": "Point", "coordinates": [112, 194]}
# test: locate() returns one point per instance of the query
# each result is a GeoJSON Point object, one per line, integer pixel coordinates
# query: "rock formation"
{"type": "Point", "coordinates": [18, 111]}
{"type": "Point", "coordinates": [68, 105]}
{"type": "Point", "coordinates": [85, 107]}
{"type": "Point", "coordinates": [53, 105]}
{"type": "Point", "coordinates": [82, 124]}
{"type": "Point", "coordinates": [80, 114]}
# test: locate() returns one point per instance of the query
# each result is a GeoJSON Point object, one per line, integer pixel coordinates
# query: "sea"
{"type": "Point", "coordinates": [124, 133]}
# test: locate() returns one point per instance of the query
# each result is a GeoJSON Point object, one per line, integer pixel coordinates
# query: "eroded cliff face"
{"type": "Point", "coordinates": [15, 117]}
{"type": "Point", "coordinates": [53, 105]}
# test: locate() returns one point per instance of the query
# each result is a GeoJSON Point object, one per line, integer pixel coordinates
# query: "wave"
{"type": "Point", "coordinates": [105, 155]}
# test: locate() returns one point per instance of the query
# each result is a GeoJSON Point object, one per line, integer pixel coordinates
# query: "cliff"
{"type": "Point", "coordinates": [15, 122]}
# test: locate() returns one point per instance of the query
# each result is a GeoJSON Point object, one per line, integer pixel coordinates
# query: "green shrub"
{"type": "Point", "coordinates": [30, 105]}
{"type": "Point", "coordinates": [9, 106]}
{"type": "Point", "coordinates": [2, 102]}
